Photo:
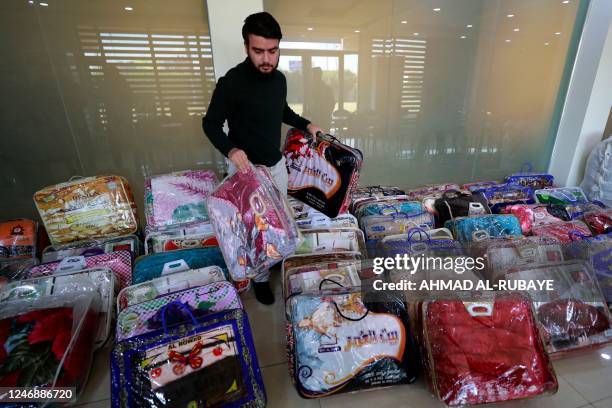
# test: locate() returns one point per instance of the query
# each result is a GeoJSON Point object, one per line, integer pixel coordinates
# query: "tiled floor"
{"type": "Point", "coordinates": [584, 380]}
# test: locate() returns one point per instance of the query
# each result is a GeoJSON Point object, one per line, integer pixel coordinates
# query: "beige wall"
{"type": "Point", "coordinates": [598, 112]}
{"type": "Point", "coordinates": [226, 30]}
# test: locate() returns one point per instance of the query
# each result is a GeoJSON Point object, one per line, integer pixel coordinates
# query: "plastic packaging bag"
{"type": "Point", "coordinates": [205, 362]}
{"type": "Point", "coordinates": [357, 203]}
{"type": "Point", "coordinates": [162, 241]}
{"type": "Point", "coordinates": [478, 185]}
{"type": "Point", "coordinates": [527, 177]}
{"type": "Point", "coordinates": [320, 276]}
{"type": "Point", "coordinates": [153, 266]}
{"type": "Point", "coordinates": [87, 208]}
{"type": "Point", "coordinates": [253, 225]}
{"type": "Point", "coordinates": [575, 211]}
{"type": "Point", "coordinates": [101, 280]}
{"type": "Point", "coordinates": [119, 262]}
{"type": "Point", "coordinates": [169, 283]}
{"type": "Point", "coordinates": [323, 221]}
{"type": "Point", "coordinates": [502, 195]}
{"type": "Point", "coordinates": [530, 215]}
{"type": "Point", "coordinates": [150, 315]}
{"type": "Point", "coordinates": [597, 251]}
{"type": "Point", "coordinates": [15, 271]}
{"type": "Point", "coordinates": [484, 350]}
{"type": "Point", "coordinates": [178, 198]}
{"type": "Point", "coordinates": [599, 221]}
{"type": "Point", "coordinates": [18, 240]}
{"type": "Point", "coordinates": [565, 232]}
{"type": "Point", "coordinates": [504, 255]}
{"type": "Point", "coordinates": [597, 183]}
{"type": "Point", "coordinates": [376, 191]}
{"type": "Point", "coordinates": [337, 343]}
{"type": "Point", "coordinates": [481, 227]}
{"type": "Point", "coordinates": [331, 240]}
{"type": "Point", "coordinates": [55, 253]}
{"type": "Point", "coordinates": [307, 259]}
{"type": "Point", "coordinates": [322, 171]}
{"type": "Point", "coordinates": [423, 191]}
{"type": "Point", "coordinates": [561, 195]}
{"type": "Point", "coordinates": [51, 340]}
{"type": "Point", "coordinates": [419, 241]}
{"type": "Point", "coordinates": [438, 233]}
{"type": "Point", "coordinates": [390, 207]}
{"type": "Point", "coordinates": [574, 315]}
{"type": "Point", "coordinates": [377, 227]}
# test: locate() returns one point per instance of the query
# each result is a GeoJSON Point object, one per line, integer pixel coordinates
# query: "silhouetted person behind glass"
{"type": "Point", "coordinates": [323, 101]}
{"type": "Point", "coordinates": [115, 98]}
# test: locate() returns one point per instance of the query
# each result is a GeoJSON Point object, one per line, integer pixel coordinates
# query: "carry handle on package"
{"type": "Point", "coordinates": [175, 266]}
{"type": "Point", "coordinates": [476, 208]}
{"type": "Point", "coordinates": [418, 247]}
{"type": "Point", "coordinates": [175, 303]}
{"type": "Point", "coordinates": [420, 231]}
{"type": "Point", "coordinates": [479, 309]}
{"type": "Point", "coordinates": [71, 264]}
{"type": "Point", "coordinates": [480, 235]}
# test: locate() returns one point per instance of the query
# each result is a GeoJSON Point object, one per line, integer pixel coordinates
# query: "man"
{"type": "Point", "coordinates": [252, 96]}
{"type": "Point", "coordinates": [322, 101]}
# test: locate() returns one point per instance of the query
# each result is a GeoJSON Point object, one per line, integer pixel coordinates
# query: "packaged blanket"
{"type": "Point", "coordinates": [254, 227]}
{"type": "Point", "coordinates": [120, 263]}
{"type": "Point", "coordinates": [178, 198]}
{"type": "Point", "coordinates": [101, 280]}
{"type": "Point", "coordinates": [338, 344]}
{"type": "Point", "coordinates": [204, 362]}
{"type": "Point", "coordinates": [87, 208]}
{"type": "Point", "coordinates": [48, 341]}
{"type": "Point", "coordinates": [484, 350]}
{"type": "Point", "coordinates": [574, 315]}
{"type": "Point", "coordinates": [176, 307]}
{"type": "Point", "coordinates": [18, 240]}
{"type": "Point", "coordinates": [153, 266]}
{"type": "Point", "coordinates": [322, 171]}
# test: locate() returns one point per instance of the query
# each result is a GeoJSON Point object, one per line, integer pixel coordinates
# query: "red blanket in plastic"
{"type": "Point", "coordinates": [486, 359]}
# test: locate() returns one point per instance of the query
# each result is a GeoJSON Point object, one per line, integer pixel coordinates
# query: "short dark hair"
{"type": "Point", "coordinates": [263, 25]}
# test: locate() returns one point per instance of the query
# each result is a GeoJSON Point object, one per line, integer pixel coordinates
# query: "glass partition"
{"type": "Point", "coordinates": [435, 91]}
{"type": "Point", "coordinates": [94, 87]}
{"type": "Point", "coordinates": [430, 91]}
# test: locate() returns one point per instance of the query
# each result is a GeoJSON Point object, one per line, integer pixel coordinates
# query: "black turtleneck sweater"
{"type": "Point", "coordinates": [255, 106]}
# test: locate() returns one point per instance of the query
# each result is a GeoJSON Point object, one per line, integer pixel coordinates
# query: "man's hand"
{"type": "Point", "coordinates": [240, 159]}
{"type": "Point", "coordinates": [314, 129]}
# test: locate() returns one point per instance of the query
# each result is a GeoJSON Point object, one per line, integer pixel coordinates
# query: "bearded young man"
{"type": "Point", "coordinates": [252, 97]}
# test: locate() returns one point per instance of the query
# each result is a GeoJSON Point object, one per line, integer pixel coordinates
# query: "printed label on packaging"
{"type": "Point", "coordinates": [328, 241]}
{"type": "Point", "coordinates": [342, 347]}
{"type": "Point", "coordinates": [173, 361]}
{"type": "Point", "coordinates": [71, 264]}
{"type": "Point", "coordinates": [94, 210]}
{"type": "Point", "coordinates": [17, 239]}
{"type": "Point", "coordinates": [322, 175]}
{"type": "Point", "coordinates": [345, 276]}
{"type": "Point", "coordinates": [170, 283]}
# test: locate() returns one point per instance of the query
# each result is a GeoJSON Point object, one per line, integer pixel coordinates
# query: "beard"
{"type": "Point", "coordinates": [266, 68]}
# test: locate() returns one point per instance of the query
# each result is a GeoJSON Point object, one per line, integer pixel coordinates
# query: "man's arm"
{"type": "Point", "coordinates": [216, 114]}
{"type": "Point", "coordinates": [293, 119]}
